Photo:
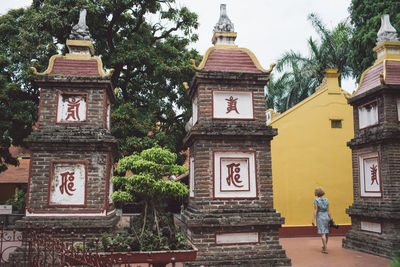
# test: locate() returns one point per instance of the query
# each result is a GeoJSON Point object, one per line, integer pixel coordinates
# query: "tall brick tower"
{"type": "Point", "coordinates": [230, 215]}
{"type": "Point", "coordinates": [72, 149]}
{"type": "Point", "coordinates": [375, 213]}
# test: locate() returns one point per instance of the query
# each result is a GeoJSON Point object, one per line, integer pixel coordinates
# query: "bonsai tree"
{"type": "Point", "coordinates": [142, 178]}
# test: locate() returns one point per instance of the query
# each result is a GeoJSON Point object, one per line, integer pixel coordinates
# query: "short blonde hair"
{"type": "Point", "coordinates": [319, 191]}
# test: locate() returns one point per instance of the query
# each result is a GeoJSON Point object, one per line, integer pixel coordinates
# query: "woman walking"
{"type": "Point", "coordinates": [322, 216]}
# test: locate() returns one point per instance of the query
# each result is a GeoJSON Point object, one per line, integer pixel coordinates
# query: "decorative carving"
{"type": "Point", "coordinates": [387, 32]}
{"type": "Point", "coordinates": [224, 24]}
{"type": "Point", "coordinates": [81, 31]}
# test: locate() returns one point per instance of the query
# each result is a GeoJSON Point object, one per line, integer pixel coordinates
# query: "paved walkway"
{"type": "Point", "coordinates": [306, 252]}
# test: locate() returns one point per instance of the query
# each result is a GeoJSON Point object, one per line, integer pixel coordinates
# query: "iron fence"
{"type": "Point", "coordinates": [38, 246]}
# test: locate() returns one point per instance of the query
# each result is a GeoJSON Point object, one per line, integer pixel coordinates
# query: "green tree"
{"type": "Point", "coordinates": [365, 18]}
{"type": "Point", "coordinates": [301, 75]}
{"type": "Point", "coordinates": [145, 41]}
{"type": "Point", "coordinates": [21, 46]}
{"type": "Point", "coordinates": [146, 185]}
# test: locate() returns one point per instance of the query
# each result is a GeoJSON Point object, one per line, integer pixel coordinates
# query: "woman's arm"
{"type": "Point", "coordinates": [329, 214]}
{"type": "Point", "coordinates": [315, 214]}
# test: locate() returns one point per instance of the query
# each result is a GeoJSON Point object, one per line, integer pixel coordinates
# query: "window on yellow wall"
{"type": "Point", "coordinates": [336, 123]}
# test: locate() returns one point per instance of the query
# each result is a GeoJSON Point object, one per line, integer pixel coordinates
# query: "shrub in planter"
{"type": "Point", "coordinates": [142, 180]}
{"type": "Point", "coordinates": [18, 201]}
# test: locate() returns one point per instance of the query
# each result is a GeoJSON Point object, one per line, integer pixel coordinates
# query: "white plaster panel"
{"type": "Point", "coordinates": [368, 115]}
{"type": "Point", "coordinates": [195, 111]}
{"type": "Point", "coordinates": [108, 117]}
{"type": "Point", "coordinates": [61, 214]}
{"type": "Point", "coordinates": [5, 209]}
{"type": "Point", "coordinates": [371, 227]}
{"type": "Point", "coordinates": [236, 238]}
{"type": "Point", "coordinates": [235, 175]}
{"type": "Point", "coordinates": [71, 108]}
{"type": "Point", "coordinates": [268, 115]}
{"type": "Point", "coordinates": [370, 180]}
{"type": "Point", "coordinates": [233, 105]}
{"type": "Point", "coordinates": [111, 185]}
{"type": "Point", "coordinates": [68, 184]}
{"type": "Point", "coordinates": [398, 109]}
{"type": "Point", "coordinates": [191, 177]}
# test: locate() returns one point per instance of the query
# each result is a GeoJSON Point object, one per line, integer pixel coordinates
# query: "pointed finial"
{"type": "Point", "coordinates": [81, 31]}
{"type": "Point", "coordinates": [224, 24]}
{"type": "Point", "coordinates": [387, 32]}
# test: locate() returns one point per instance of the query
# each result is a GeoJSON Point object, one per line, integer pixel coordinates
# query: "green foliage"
{"type": "Point", "coordinates": [365, 17]}
{"type": "Point", "coordinates": [18, 98]}
{"type": "Point", "coordinates": [129, 241]}
{"type": "Point", "coordinates": [18, 201]}
{"type": "Point", "coordinates": [146, 42]}
{"type": "Point", "coordinates": [301, 75]}
{"type": "Point", "coordinates": [395, 262]}
{"type": "Point", "coordinates": [146, 185]}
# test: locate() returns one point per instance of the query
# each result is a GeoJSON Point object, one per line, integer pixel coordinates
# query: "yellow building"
{"type": "Point", "coordinates": [309, 151]}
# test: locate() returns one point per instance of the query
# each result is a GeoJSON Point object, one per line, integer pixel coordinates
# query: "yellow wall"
{"type": "Point", "coordinates": [308, 153]}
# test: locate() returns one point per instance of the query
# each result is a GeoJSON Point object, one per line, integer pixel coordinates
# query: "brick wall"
{"type": "Point", "coordinates": [95, 102]}
{"type": "Point", "coordinates": [96, 173]}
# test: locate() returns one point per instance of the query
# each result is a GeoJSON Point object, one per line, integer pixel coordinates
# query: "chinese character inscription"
{"type": "Point", "coordinates": [73, 109]}
{"type": "Point", "coordinates": [232, 104]}
{"type": "Point", "coordinates": [234, 175]}
{"type": "Point", "coordinates": [374, 176]}
{"type": "Point", "coordinates": [67, 183]}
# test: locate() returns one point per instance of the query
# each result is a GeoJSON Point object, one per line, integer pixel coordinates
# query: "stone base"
{"type": "Point", "coordinates": [372, 244]}
{"type": "Point", "coordinates": [235, 239]}
{"type": "Point", "coordinates": [383, 241]}
{"type": "Point", "coordinates": [90, 226]}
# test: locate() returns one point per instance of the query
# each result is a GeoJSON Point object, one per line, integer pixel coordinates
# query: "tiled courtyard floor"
{"type": "Point", "coordinates": [306, 252]}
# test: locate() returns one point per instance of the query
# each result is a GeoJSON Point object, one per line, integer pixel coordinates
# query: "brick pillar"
{"type": "Point", "coordinates": [72, 148]}
{"type": "Point", "coordinates": [375, 213]}
{"type": "Point", "coordinates": [230, 216]}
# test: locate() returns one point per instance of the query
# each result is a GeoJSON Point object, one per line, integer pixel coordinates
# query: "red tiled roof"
{"type": "Point", "coordinates": [230, 60]}
{"type": "Point", "coordinates": [392, 72]}
{"type": "Point", "coordinates": [16, 175]}
{"type": "Point", "coordinates": [371, 78]}
{"type": "Point", "coordinates": [74, 67]}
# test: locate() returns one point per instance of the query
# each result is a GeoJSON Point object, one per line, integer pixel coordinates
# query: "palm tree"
{"type": "Point", "coordinates": [301, 75]}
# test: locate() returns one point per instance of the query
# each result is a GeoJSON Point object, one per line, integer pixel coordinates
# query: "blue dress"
{"type": "Point", "coordinates": [322, 215]}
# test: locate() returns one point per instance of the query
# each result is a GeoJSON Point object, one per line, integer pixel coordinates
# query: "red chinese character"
{"type": "Point", "coordinates": [374, 176]}
{"type": "Point", "coordinates": [234, 179]}
{"type": "Point", "coordinates": [67, 183]}
{"type": "Point", "coordinates": [232, 102]}
{"type": "Point", "coordinates": [73, 108]}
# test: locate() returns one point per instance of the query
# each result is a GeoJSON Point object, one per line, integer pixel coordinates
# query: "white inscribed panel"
{"type": "Point", "coordinates": [235, 174]}
{"type": "Point", "coordinates": [68, 184]}
{"type": "Point", "coordinates": [236, 238]}
{"type": "Point", "coordinates": [233, 105]}
{"type": "Point", "coordinates": [71, 108]}
{"type": "Point", "coordinates": [368, 115]}
{"type": "Point", "coordinates": [371, 227]}
{"type": "Point", "coordinates": [370, 180]}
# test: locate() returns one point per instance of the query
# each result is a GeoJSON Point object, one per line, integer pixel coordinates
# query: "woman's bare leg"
{"type": "Point", "coordinates": [324, 242]}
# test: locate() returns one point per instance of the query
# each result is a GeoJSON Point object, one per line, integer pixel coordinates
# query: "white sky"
{"type": "Point", "coordinates": [267, 27]}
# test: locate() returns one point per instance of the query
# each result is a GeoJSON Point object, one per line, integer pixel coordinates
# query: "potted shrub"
{"type": "Point", "coordinates": [142, 179]}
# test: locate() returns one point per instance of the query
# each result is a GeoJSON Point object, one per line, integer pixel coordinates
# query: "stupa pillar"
{"type": "Point", "coordinates": [375, 212]}
{"type": "Point", "coordinates": [230, 216]}
{"type": "Point", "coordinates": [72, 148]}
